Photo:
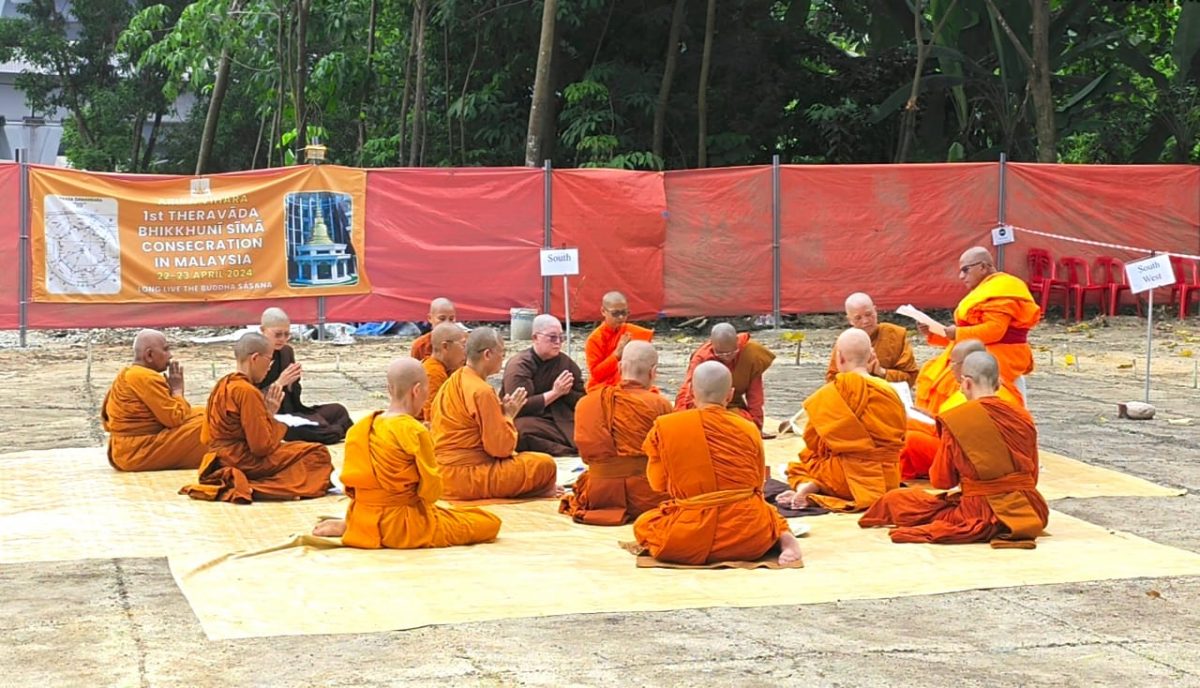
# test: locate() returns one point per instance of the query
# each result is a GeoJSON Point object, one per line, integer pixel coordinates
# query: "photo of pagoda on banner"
{"type": "Point", "coordinates": [318, 234]}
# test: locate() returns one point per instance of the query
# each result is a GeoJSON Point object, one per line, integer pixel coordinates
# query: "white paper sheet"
{"type": "Point", "coordinates": [905, 393]}
{"type": "Point", "coordinates": [293, 421]}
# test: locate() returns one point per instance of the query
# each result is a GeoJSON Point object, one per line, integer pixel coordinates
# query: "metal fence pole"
{"type": "Point", "coordinates": [547, 216]}
{"type": "Point", "coordinates": [776, 231]}
{"type": "Point", "coordinates": [1000, 209]}
{"type": "Point", "coordinates": [24, 258]}
{"type": "Point", "coordinates": [321, 318]}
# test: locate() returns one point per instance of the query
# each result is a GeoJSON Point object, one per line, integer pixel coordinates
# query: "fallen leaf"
{"type": "Point", "coordinates": [1124, 366]}
{"type": "Point", "coordinates": [1186, 353]}
{"type": "Point", "coordinates": [1070, 359]}
{"type": "Point", "coordinates": [1154, 594]}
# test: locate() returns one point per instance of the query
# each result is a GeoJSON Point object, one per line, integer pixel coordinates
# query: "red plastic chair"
{"type": "Point", "coordinates": [1043, 278]}
{"type": "Point", "coordinates": [1078, 276]}
{"type": "Point", "coordinates": [1187, 283]}
{"type": "Point", "coordinates": [1110, 273]}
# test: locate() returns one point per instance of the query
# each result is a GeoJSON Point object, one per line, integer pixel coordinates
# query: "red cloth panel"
{"type": "Point", "coordinates": [471, 235]}
{"type": "Point", "coordinates": [892, 231]}
{"type": "Point", "coordinates": [618, 221]}
{"type": "Point", "coordinates": [10, 244]}
{"type": "Point", "coordinates": [718, 245]}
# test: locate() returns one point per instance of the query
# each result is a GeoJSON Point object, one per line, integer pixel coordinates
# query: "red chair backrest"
{"type": "Point", "coordinates": [1077, 269]}
{"type": "Point", "coordinates": [1041, 265]}
{"type": "Point", "coordinates": [1109, 270]}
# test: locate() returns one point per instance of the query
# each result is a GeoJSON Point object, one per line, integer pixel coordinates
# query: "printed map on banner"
{"type": "Point", "coordinates": [294, 232]}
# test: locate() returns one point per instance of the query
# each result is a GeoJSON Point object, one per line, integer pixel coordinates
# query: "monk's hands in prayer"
{"type": "Point", "coordinates": [274, 397]}
{"type": "Point", "coordinates": [289, 375]}
{"type": "Point", "coordinates": [625, 339]}
{"type": "Point", "coordinates": [513, 402]}
{"type": "Point", "coordinates": [873, 365]}
{"type": "Point", "coordinates": [562, 386]}
{"type": "Point", "coordinates": [175, 378]}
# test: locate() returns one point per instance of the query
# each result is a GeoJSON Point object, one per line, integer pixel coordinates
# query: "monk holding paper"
{"type": "Point", "coordinates": [150, 425]}
{"type": "Point", "coordinates": [611, 424]}
{"type": "Point", "coordinates": [474, 436]}
{"type": "Point", "coordinates": [606, 343]}
{"type": "Point", "coordinates": [711, 461]}
{"type": "Point", "coordinates": [393, 482]}
{"type": "Point", "coordinates": [892, 358]}
{"type": "Point", "coordinates": [999, 311]}
{"type": "Point", "coordinates": [989, 449]}
{"type": "Point", "coordinates": [247, 458]}
{"type": "Point", "coordinates": [327, 423]}
{"type": "Point", "coordinates": [449, 343]}
{"type": "Point", "coordinates": [441, 310]}
{"type": "Point", "coordinates": [853, 438]}
{"type": "Point", "coordinates": [553, 385]}
{"type": "Point", "coordinates": [746, 361]}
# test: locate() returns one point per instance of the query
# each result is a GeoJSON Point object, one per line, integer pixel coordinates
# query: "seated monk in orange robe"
{"type": "Point", "coordinates": [999, 311]}
{"type": "Point", "coordinates": [474, 436]}
{"type": "Point", "coordinates": [449, 343]}
{"type": "Point", "coordinates": [989, 449]}
{"type": "Point", "coordinates": [247, 457]}
{"type": "Point", "coordinates": [853, 438]}
{"type": "Point", "coordinates": [150, 425]}
{"type": "Point", "coordinates": [746, 361]}
{"type": "Point", "coordinates": [712, 463]}
{"type": "Point", "coordinates": [440, 311]}
{"type": "Point", "coordinates": [329, 421]}
{"type": "Point", "coordinates": [607, 342]}
{"type": "Point", "coordinates": [393, 482]}
{"type": "Point", "coordinates": [610, 426]}
{"type": "Point", "coordinates": [892, 358]}
{"type": "Point", "coordinates": [921, 443]}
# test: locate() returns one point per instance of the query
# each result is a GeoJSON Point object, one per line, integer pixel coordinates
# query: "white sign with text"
{"type": "Point", "coordinates": [1150, 273]}
{"type": "Point", "coordinates": [560, 262]}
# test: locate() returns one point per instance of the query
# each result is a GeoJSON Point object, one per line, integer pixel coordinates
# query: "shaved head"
{"type": "Point", "coordinates": [974, 265]}
{"type": "Point", "coordinates": [615, 309]}
{"type": "Point", "coordinates": [965, 348]}
{"type": "Point", "coordinates": [403, 374]}
{"type": "Point", "coordinates": [861, 313]}
{"type": "Point", "coordinates": [976, 254]}
{"type": "Point", "coordinates": [146, 339]}
{"type": "Point", "coordinates": [638, 361]}
{"type": "Point", "coordinates": [723, 333]}
{"type": "Point", "coordinates": [712, 383]}
{"type": "Point", "coordinates": [854, 349]}
{"type": "Point", "coordinates": [480, 341]}
{"type": "Point", "coordinates": [249, 344]}
{"type": "Point", "coordinates": [275, 317]}
{"type": "Point", "coordinates": [441, 310]}
{"type": "Point", "coordinates": [858, 300]}
{"type": "Point", "coordinates": [983, 371]}
{"type": "Point", "coordinates": [546, 323]}
{"type": "Point", "coordinates": [444, 333]}
{"type": "Point", "coordinates": [449, 343]}
{"type": "Point", "coordinates": [614, 299]}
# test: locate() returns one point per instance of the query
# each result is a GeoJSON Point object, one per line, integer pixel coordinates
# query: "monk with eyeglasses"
{"type": "Point", "coordinates": [606, 344]}
{"type": "Point", "coordinates": [553, 385]}
{"type": "Point", "coordinates": [746, 361]}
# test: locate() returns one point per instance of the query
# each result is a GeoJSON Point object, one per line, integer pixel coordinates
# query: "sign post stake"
{"type": "Point", "coordinates": [1149, 338]}
{"type": "Point", "coordinates": [567, 313]}
{"type": "Point", "coordinates": [24, 258]}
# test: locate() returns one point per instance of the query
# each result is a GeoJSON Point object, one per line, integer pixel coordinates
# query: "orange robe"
{"type": "Point", "coordinates": [601, 350]}
{"type": "Point", "coordinates": [422, 347]}
{"type": "Point", "coordinates": [247, 457]}
{"type": "Point", "coordinates": [852, 443]}
{"type": "Point", "coordinates": [711, 462]}
{"type": "Point", "coordinates": [922, 442]}
{"type": "Point", "coordinates": [989, 448]}
{"type": "Point", "coordinates": [610, 426]}
{"type": "Point", "coordinates": [436, 372]}
{"type": "Point", "coordinates": [747, 367]}
{"type": "Point", "coordinates": [149, 429]}
{"type": "Point", "coordinates": [894, 352]}
{"type": "Point", "coordinates": [474, 443]}
{"type": "Point", "coordinates": [393, 483]}
{"type": "Point", "coordinates": [999, 312]}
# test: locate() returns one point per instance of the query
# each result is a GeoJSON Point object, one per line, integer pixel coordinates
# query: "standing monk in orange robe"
{"type": "Point", "coordinates": [150, 425]}
{"type": "Point", "coordinates": [607, 342]}
{"type": "Point", "coordinates": [393, 482]}
{"type": "Point", "coordinates": [553, 385]}
{"type": "Point", "coordinates": [999, 311]}
{"type": "Point", "coordinates": [852, 442]}
{"type": "Point", "coordinates": [449, 354]}
{"type": "Point", "coordinates": [746, 361]}
{"type": "Point", "coordinates": [892, 355]}
{"type": "Point", "coordinates": [247, 458]}
{"type": "Point", "coordinates": [331, 420]}
{"type": "Point", "coordinates": [712, 463]}
{"type": "Point", "coordinates": [989, 449]}
{"type": "Point", "coordinates": [610, 426]}
{"type": "Point", "coordinates": [474, 436]}
{"type": "Point", "coordinates": [440, 311]}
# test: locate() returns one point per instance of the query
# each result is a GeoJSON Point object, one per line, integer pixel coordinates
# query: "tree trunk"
{"type": "Point", "coordinates": [710, 22]}
{"type": "Point", "coordinates": [366, 95]}
{"type": "Point", "coordinates": [664, 89]}
{"type": "Point", "coordinates": [300, 99]}
{"type": "Point", "coordinates": [148, 155]}
{"type": "Point", "coordinates": [408, 64]}
{"type": "Point", "coordinates": [418, 130]}
{"type": "Point", "coordinates": [542, 106]}
{"type": "Point", "coordinates": [1039, 82]}
{"type": "Point", "coordinates": [139, 123]}
{"type": "Point", "coordinates": [220, 86]}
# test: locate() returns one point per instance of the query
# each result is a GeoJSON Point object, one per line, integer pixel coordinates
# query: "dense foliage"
{"type": "Point", "coordinates": [627, 83]}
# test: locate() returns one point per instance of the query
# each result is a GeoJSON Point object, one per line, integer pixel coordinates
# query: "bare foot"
{"type": "Point", "coordinates": [330, 527]}
{"type": "Point", "coordinates": [790, 547]}
{"type": "Point", "coordinates": [552, 491]}
{"type": "Point", "coordinates": [797, 498]}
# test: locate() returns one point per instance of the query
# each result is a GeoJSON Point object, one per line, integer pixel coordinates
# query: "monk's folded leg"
{"type": "Point", "coordinates": [538, 434]}
{"type": "Point", "coordinates": [904, 507]}
{"type": "Point", "coordinates": [170, 449]}
{"type": "Point", "coordinates": [827, 475]}
{"type": "Point", "coordinates": [746, 531]}
{"type": "Point", "coordinates": [303, 472]}
{"type": "Point", "coordinates": [527, 474]}
{"type": "Point", "coordinates": [463, 526]}
{"type": "Point", "coordinates": [335, 415]}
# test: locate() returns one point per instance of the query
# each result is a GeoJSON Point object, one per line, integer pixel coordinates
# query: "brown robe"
{"type": "Point", "coordinates": [894, 352]}
{"type": "Point", "coordinates": [247, 457]}
{"type": "Point", "coordinates": [332, 420]}
{"type": "Point", "coordinates": [747, 368]}
{"type": "Point", "coordinates": [541, 428]}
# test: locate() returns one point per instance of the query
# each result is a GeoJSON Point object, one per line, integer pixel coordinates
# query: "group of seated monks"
{"type": "Point", "coordinates": [690, 475]}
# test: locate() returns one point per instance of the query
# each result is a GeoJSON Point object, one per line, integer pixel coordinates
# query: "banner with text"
{"type": "Point", "coordinates": [121, 239]}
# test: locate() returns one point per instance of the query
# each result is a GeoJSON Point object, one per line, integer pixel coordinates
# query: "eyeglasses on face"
{"type": "Point", "coordinates": [617, 313]}
{"type": "Point", "coordinates": [552, 338]}
{"type": "Point", "coordinates": [967, 268]}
